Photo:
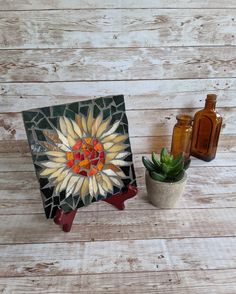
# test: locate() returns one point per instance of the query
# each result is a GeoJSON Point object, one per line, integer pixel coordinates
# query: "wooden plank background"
{"type": "Point", "coordinates": [164, 56]}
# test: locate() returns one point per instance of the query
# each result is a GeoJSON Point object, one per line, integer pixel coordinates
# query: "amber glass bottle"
{"type": "Point", "coordinates": [181, 137]}
{"type": "Point", "coordinates": [206, 130]}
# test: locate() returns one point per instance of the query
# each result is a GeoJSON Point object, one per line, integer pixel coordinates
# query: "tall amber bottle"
{"type": "Point", "coordinates": [182, 135]}
{"type": "Point", "coordinates": [206, 130]}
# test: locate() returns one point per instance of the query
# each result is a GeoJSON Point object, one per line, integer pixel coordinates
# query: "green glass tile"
{"type": "Point", "coordinates": [44, 124]}
{"type": "Point", "coordinates": [70, 114]}
{"type": "Point", "coordinates": [40, 135]}
{"type": "Point", "coordinates": [119, 99]}
{"type": "Point", "coordinates": [58, 110]}
{"type": "Point", "coordinates": [121, 107]}
{"type": "Point", "coordinates": [84, 110]}
{"type": "Point", "coordinates": [113, 109]}
{"type": "Point", "coordinates": [108, 101]}
{"type": "Point", "coordinates": [29, 115]}
{"type": "Point", "coordinates": [96, 111]}
{"type": "Point", "coordinates": [46, 111]}
{"type": "Point", "coordinates": [100, 102]}
{"type": "Point", "coordinates": [106, 113]}
{"type": "Point", "coordinates": [73, 107]}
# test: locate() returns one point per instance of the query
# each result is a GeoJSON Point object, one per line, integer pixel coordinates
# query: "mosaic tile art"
{"type": "Point", "coordinates": [81, 152]}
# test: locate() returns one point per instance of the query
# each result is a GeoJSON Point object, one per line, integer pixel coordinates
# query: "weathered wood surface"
{"type": "Point", "coordinates": [117, 64]}
{"type": "Point", "coordinates": [164, 56]}
{"type": "Point", "coordinates": [116, 225]}
{"type": "Point", "coordinates": [117, 28]}
{"type": "Point", "coordinates": [154, 94]}
{"type": "Point", "coordinates": [118, 256]}
{"type": "Point", "coordinates": [174, 282]}
{"type": "Point", "coordinates": [95, 4]}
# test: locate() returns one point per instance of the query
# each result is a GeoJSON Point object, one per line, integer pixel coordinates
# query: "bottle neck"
{"type": "Point", "coordinates": [210, 104]}
{"type": "Point", "coordinates": [184, 120]}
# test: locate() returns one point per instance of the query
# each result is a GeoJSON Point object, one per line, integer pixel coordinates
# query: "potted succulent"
{"type": "Point", "coordinates": [165, 178]}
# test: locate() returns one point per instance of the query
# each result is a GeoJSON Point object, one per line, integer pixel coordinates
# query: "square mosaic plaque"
{"type": "Point", "coordinates": [81, 152]}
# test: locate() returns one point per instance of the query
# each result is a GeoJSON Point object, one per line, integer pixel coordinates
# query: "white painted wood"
{"type": "Point", "coordinates": [117, 64]}
{"type": "Point", "coordinates": [117, 256]}
{"type": "Point", "coordinates": [126, 225]}
{"type": "Point", "coordinates": [95, 4]}
{"type": "Point", "coordinates": [176, 282]}
{"type": "Point", "coordinates": [154, 94]}
{"type": "Point", "coordinates": [117, 28]}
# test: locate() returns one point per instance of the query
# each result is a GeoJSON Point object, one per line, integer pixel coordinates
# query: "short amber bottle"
{"type": "Point", "coordinates": [181, 137]}
{"type": "Point", "coordinates": [206, 130]}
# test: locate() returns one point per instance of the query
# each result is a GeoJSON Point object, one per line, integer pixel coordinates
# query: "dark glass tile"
{"type": "Point", "coordinates": [108, 101]}
{"type": "Point", "coordinates": [29, 115]}
{"type": "Point", "coordinates": [84, 110]}
{"type": "Point", "coordinates": [70, 114]}
{"type": "Point", "coordinates": [119, 99]}
{"type": "Point", "coordinates": [73, 107]}
{"type": "Point", "coordinates": [40, 135]}
{"type": "Point", "coordinates": [44, 124]}
{"type": "Point", "coordinates": [96, 111]}
{"type": "Point", "coordinates": [100, 102]}
{"type": "Point", "coordinates": [38, 117]}
{"type": "Point", "coordinates": [46, 111]}
{"type": "Point", "coordinates": [58, 110]}
{"type": "Point", "coordinates": [106, 113]}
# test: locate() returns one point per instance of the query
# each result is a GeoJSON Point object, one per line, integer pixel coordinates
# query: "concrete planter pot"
{"type": "Point", "coordinates": [162, 194]}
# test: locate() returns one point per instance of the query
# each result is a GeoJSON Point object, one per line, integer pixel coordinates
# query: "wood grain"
{"type": "Point", "coordinates": [116, 28]}
{"type": "Point", "coordinates": [157, 123]}
{"type": "Point", "coordinates": [115, 256]}
{"type": "Point", "coordinates": [157, 94]}
{"type": "Point", "coordinates": [184, 282]}
{"type": "Point", "coordinates": [116, 225]}
{"type": "Point", "coordinates": [95, 4]}
{"type": "Point", "coordinates": [117, 64]}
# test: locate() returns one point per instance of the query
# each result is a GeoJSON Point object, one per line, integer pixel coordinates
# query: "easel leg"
{"type": "Point", "coordinates": [65, 219]}
{"type": "Point", "coordinates": [118, 199]}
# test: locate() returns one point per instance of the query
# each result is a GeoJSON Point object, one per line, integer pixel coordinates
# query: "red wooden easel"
{"type": "Point", "coordinates": [65, 219]}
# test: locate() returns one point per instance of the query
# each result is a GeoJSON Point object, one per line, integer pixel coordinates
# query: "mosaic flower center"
{"type": "Point", "coordinates": [87, 157]}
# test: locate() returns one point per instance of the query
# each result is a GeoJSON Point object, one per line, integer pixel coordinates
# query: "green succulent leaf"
{"type": "Point", "coordinates": [148, 164]}
{"type": "Point", "coordinates": [165, 168]}
{"type": "Point", "coordinates": [178, 158]}
{"type": "Point", "coordinates": [157, 177]}
{"type": "Point", "coordinates": [164, 154]}
{"type": "Point", "coordinates": [179, 176]}
{"type": "Point", "coordinates": [156, 161]}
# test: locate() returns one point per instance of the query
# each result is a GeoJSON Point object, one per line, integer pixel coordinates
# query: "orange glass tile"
{"type": "Point", "coordinates": [69, 155]}
{"type": "Point", "coordinates": [88, 140]}
{"type": "Point", "coordinates": [76, 168]}
{"type": "Point", "coordinates": [92, 172]}
{"type": "Point", "coordinates": [87, 166]}
{"type": "Point", "coordinates": [84, 162]}
{"type": "Point", "coordinates": [98, 147]}
{"type": "Point", "coordinates": [100, 165]}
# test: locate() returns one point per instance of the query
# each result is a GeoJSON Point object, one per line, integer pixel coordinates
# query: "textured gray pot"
{"type": "Point", "coordinates": [162, 194]}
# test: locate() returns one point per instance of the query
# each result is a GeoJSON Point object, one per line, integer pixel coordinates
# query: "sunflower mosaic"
{"type": "Point", "coordinates": [81, 151]}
